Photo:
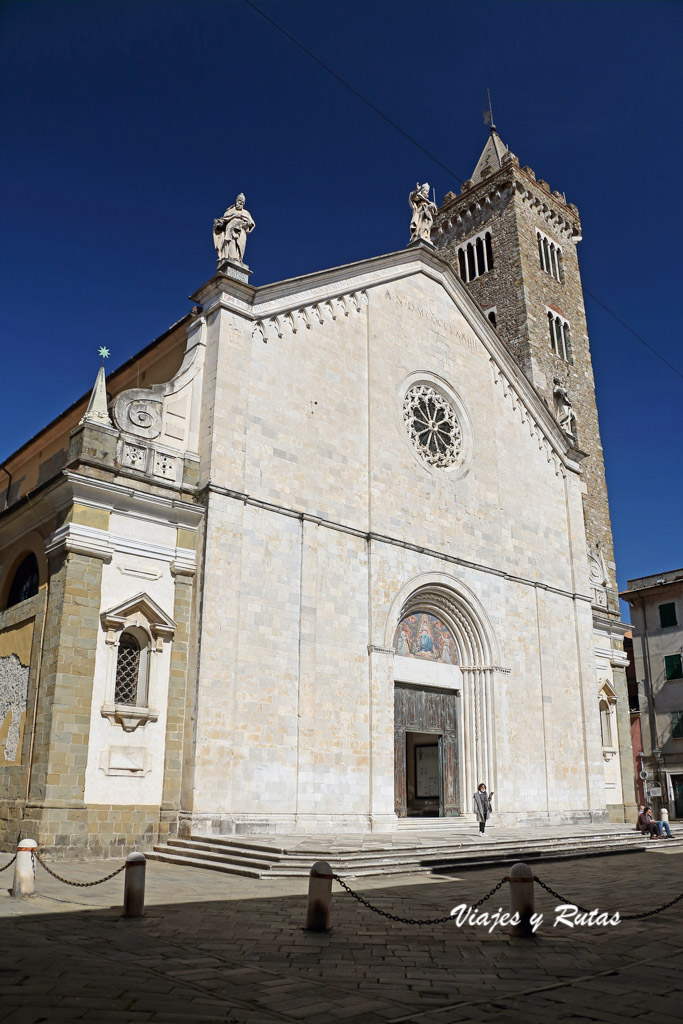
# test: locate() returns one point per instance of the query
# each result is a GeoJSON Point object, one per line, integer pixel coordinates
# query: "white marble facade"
{"type": "Point", "coordinates": [322, 522]}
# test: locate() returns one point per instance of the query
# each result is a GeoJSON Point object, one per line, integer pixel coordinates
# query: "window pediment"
{"type": "Point", "coordinates": [140, 610]}
{"type": "Point", "coordinates": [607, 691]}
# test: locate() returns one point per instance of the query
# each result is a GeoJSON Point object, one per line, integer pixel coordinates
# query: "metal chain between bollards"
{"type": "Point", "coordinates": [67, 881]}
{"type": "Point", "coordinates": [622, 917]}
{"type": "Point", "coordinates": [413, 920]}
{"type": "Point", "coordinates": [9, 863]}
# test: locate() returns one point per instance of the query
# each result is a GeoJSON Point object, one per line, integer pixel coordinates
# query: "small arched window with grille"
{"type": "Point", "coordinates": [605, 724]}
{"type": "Point", "coordinates": [131, 668]}
{"type": "Point", "coordinates": [560, 341]}
{"type": "Point", "coordinates": [475, 257]}
{"type": "Point", "coordinates": [550, 256]}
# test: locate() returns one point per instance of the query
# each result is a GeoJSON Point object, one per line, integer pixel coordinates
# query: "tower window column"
{"type": "Point", "coordinates": [475, 257]}
{"type": "Point", "coordinates": [550, 255]}
{"type": "Point", "coordinates": [560, 342]}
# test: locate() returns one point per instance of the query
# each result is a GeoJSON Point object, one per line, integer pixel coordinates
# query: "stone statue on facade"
{"type": "Point", "coordinates": [230, 231]}
{"type": "Point", "coordinates": [423, 213]}
{"type": "Point", "coordinates": [597, 572]}
{"type": "Point", "coordinates": [564, 410]}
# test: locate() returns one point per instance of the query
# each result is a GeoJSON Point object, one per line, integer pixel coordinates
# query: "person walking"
{"type": "Point", "coordinates": [663, 823]}
{"type": "Point", "coordinates": [482, 806]}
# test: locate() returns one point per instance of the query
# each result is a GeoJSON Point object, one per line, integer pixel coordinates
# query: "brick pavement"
{"type": "Point", "coordinates": [214, 947]}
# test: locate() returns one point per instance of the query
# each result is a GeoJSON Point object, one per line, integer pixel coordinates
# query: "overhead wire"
{"type": "Point", "coordinates": [352, 89]}
{"type": "Point", "coordinates": [385, 117]}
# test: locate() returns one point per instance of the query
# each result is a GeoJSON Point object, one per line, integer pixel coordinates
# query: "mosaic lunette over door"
{"type": "Point", "coordinates": [422, 635]}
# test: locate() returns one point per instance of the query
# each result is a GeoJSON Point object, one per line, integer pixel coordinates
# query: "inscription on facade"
{"type": "Point", "coordinates": [424, 313]}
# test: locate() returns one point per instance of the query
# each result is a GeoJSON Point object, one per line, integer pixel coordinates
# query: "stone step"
{"type": "Point", "coordinates": [243, 842]}
{"type": "Point", "coordinates": [202, 852]}
{"type": "Point", "coordinates": [242, 853]}
{"type": "Point", "coordinates": [461, 857]}
{"type": "Point", "coordinates": [244, 847]}
{"type": "Point", "coordinates": [662, 844]}
{"type": "Point", "coordinates": [192, 862]}
{"type": "Point", "coordinates": [421, 860]}
{"type": "Point", "coordinates": [234, 849]}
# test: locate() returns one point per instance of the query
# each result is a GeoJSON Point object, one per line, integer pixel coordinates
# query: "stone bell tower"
{"type": "Point", "coordinates": [513, 240]}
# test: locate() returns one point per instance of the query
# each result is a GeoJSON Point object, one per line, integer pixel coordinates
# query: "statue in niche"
{"type": "Point", "coordinates": [230, 231]}
{"type": "Point", "coordinates": [564, 410]}
{"type": "Point", "coordinates": [423, 213]}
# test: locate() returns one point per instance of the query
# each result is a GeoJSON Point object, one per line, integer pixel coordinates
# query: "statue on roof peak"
{"type": "Point", "coordinates": [230, 231]}
{"type": "Point", "coordinates": [423, 213]}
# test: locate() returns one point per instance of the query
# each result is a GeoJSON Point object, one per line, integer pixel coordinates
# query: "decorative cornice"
{"type": "Point", "coordinates": [309, 316]}
{"type": "Point", "coordinates": [80, 540]}
{"type": "Point", "coordinates": [88, 540]}
{"type": "Point", "coordinates": [546, 443]}
{"type": "Point", "coordinates": [378, 649]}
{"type": "Point", "coordinates": [459, 211]}
{"type": "Point", "coordinates": [129, 499]}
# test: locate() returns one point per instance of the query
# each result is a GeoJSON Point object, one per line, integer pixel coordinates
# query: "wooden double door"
{"type": "Point", "coordinates": [425, 752]}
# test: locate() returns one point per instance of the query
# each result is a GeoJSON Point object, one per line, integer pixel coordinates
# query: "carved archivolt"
{"type": "Point", "coordinates": [306, 317]}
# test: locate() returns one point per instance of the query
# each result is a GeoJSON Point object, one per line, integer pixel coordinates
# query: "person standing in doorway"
{"type": "Point", "coordinates": [482, 806]}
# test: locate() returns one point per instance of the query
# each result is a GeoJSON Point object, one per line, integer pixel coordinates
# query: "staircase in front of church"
{"type": "Point", "coordinates": [407, 851]}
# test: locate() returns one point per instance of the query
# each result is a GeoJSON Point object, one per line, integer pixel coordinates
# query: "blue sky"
{"type": "Point", "coordinates": [129, 126]}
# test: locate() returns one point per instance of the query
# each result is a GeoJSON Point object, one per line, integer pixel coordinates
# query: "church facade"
{"type": "Point", "coordinates": [328, 553]}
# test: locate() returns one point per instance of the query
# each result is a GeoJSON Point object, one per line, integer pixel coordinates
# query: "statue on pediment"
{"type": "Point", "coordinates": [423, 213]}
{"type": "Point", "coordinates": [230, 231]}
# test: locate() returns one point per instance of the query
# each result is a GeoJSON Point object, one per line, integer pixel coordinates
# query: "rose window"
{"type": "Point", "coordinates": [433, 426]}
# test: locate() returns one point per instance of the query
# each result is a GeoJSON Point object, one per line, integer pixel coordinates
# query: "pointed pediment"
{"type": "Point", "coordinates": [301, 307]}
{"type": "Point", "coordinates": [142, 604]}
{"type": "Point", "coordinates": [607, 690]}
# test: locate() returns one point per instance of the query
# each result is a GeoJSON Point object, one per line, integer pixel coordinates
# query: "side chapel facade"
{"type": "Point", "coordinates": [329, 552]}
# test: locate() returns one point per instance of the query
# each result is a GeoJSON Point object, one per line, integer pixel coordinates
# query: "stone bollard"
{"type": "Point", "coordinates": [134, 885]}
{"type": "Point", "coordinates": [521, 880]}
{"type": "Point", "coordinates": [24, 883]}
{"type": "Point", "coordinates": [319, 897]}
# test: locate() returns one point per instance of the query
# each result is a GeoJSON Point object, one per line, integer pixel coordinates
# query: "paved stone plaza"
{"type": "Point", "coordinates": [214, 947]}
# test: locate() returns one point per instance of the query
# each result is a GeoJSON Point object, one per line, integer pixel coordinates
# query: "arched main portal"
{"type": "Point", "coordinates": [444, 662]}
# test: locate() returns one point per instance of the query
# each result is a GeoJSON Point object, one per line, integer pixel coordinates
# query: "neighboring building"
{"type": "Point", "coordinates": [328, 553]}
{"type": "Point", "coordinates": [657, 616]}
{"type": "Point", "coordinates": [634, 710]}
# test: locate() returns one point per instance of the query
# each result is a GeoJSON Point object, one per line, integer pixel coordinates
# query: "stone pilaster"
{"type": "Point", "coordinates": [177, 706]}
{"type": "Point", "coordinates": [55, 813]}
{"type": "Point", "coordinates": [628, 811]}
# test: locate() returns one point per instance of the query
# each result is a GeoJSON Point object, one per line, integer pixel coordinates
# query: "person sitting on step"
{"type": "Point", "coordinates": [646, 823]}
{"type": "Point", "coordinates": [663, 823]}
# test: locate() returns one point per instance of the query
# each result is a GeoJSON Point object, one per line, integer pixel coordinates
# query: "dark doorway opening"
{"type": "Point", "coordinates": [424, 775]}
{"type": "Point", "coordinates": [425, 752]}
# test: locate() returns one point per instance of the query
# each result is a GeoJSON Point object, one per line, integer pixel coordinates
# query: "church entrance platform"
{"type": "Point", "coordinates": [441, 847]}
